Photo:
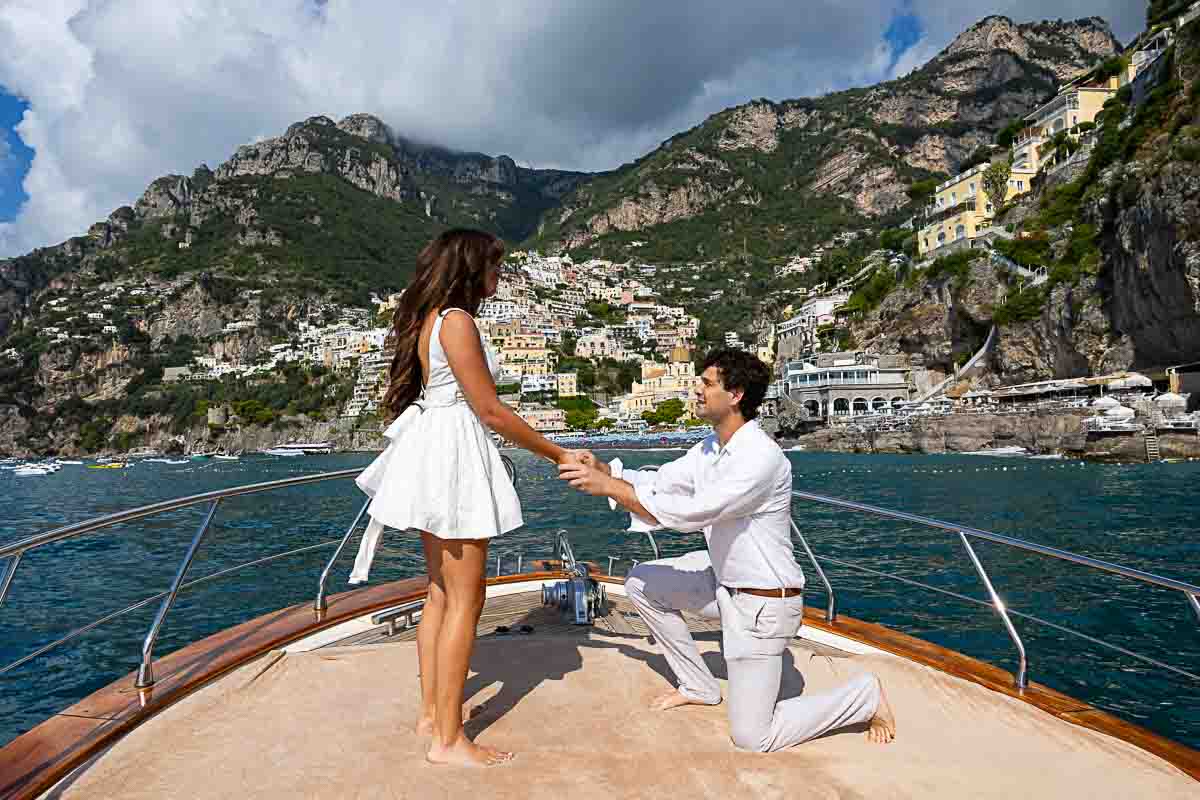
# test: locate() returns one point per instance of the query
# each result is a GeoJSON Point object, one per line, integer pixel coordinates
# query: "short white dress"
{"type": "Point", "coordinates": [440, 472]}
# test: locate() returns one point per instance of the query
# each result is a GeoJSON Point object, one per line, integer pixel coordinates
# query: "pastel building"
{"type": "Point", "coordinates": [1075, 104]}
{"type": "Point", "coordinates": [961, 209]}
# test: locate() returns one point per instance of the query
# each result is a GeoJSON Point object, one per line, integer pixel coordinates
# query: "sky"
{"type": "Point", "coordinates": [99, 97]}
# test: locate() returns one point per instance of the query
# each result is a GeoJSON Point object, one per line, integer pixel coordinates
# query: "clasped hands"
{"type": "Point", "coordinates": [583, 471]}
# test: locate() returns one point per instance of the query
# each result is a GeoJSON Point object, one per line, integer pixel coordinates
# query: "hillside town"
{"type": "Point", "coordinates": [606, 344]}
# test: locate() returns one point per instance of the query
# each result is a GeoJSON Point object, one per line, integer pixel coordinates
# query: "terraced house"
{"type": "Point", "coordinates": [961, 209]}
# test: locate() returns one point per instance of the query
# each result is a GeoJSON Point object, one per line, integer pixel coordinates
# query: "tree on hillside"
{"type": "Point", "coordinates": [665, 413]}
{"type": "Point", "coordinates": [1009, 132]}
{"type": "Point", "coordinates": [922, 190]}
{"type": "Point", "coordinates": [981, 155]}
{"type": "Point", "coordinates": [995, 182]}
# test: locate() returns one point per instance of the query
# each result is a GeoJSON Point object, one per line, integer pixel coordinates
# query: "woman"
{"type": "Point", "coordinates": [442, 475]}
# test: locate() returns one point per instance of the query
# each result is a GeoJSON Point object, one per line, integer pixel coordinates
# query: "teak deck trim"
{"type": "Point", "coordinates": [33, 762]}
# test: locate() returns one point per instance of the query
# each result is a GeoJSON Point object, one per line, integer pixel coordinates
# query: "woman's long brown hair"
{"type": "Point", "coordinates": [451, 272]}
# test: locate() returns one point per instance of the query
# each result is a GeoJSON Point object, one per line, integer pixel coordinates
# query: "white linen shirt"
{"type": "Point", "coordinates": [740, 495]}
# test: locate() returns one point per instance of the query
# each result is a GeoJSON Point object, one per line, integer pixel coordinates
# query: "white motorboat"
{"type": "Point", "coordinates": [283, 451]}
{"type": "Point", "coordinates": [1005, 452]}
{"type": "Point", "coordinates": [307, 448]}
{"type": "Point", "coordinates": [317, 699]}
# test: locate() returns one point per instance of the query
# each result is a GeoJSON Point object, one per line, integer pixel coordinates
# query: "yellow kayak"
{"type": "Point", "coordinates": [114, 465]}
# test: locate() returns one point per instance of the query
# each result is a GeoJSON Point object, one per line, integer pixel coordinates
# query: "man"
{"type": "Point", "coordinates": [736, 487]}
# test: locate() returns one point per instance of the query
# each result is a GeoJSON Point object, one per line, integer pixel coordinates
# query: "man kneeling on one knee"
{"type": "Point", "coordinates": [735, 486]}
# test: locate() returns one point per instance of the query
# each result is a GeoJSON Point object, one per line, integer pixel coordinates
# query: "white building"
{"type": "Point", "coordinates": [539, 383]}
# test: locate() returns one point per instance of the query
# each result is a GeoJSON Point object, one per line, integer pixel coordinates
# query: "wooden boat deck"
{"type": "Point", "coordinates": [279, 707]}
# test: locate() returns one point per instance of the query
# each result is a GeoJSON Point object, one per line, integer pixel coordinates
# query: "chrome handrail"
{"type": "Point", "coordinates": [89, 525]}
{"type": "Point", "coordinates": [145, 677]}
{"type": "Point", "coordinates": [15, 551]}
{"type": "Point", "coordinates": [831, 606]}
{"type": "Point", "coordinates": [1190, 592]}
{"type": "Point", "coordinates": [1020, 544]}
{"type": "Point", "coordinates": [75, 634]}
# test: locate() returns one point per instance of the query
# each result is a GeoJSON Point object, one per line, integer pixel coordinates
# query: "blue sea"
{"type": "Point", "coordinates": [1142, 516]}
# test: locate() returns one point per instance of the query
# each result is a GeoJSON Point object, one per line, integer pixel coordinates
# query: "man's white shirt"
{"type": "Point", "coordinates": [739, 495]}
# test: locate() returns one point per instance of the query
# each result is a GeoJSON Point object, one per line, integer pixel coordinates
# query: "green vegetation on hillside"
{"type": "Point", "coordinates": [332, 237]}
{"type": "Point", "coordinates": [294, 390]}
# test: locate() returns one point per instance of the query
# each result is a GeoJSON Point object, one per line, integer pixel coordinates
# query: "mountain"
{"type": "Point", "coordinates": [1116, 231]}
{"type": "Point", "coordinates": [770, 178]}
{"type": "Point", "coordinates": [332, 207]}
{"type": "Point", "coordinates": [227, 262]}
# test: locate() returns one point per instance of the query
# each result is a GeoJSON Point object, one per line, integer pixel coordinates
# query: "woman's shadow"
{"type": "Point", "coordinates": [518, 671]}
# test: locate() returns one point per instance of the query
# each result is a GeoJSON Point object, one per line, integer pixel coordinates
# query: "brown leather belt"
{"type": "Point", "coordinates": [766, 592]}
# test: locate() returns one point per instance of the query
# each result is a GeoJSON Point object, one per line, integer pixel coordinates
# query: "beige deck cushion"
{"type": "Point", "coordinates": [335, 723]}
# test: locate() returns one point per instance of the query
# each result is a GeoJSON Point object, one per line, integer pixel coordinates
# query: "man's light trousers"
{"type": "Point", "coordinates": [755, 632]}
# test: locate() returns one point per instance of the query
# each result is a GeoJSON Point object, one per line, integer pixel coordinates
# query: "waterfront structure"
{"type": "Point", "coordinates": [544, 419]}
{"type": "Point", "coordinates": [844, 385]}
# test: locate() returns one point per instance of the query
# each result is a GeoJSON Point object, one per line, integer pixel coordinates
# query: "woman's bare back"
{"type": "Point", "coordinates": [423, 344]}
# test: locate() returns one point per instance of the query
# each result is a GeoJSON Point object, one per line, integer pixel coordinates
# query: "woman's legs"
{"type": "Point", "coordinates": [428, 631]}
{"type": "Point", "coordinates": [461, 565]}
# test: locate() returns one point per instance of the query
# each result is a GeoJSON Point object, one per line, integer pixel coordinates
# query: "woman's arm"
{"type": "Point", "coordinates": [464, 351]}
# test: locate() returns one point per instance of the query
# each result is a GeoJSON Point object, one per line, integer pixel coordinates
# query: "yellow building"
{"type": "Point", "coordinates": [1074, 105]}
{"type": "Point", "coordinates": [660, 382]}
{"type": "Point", "coordinates": [568, 385]}
{"type": "Point", "coordinates": [960, 208]}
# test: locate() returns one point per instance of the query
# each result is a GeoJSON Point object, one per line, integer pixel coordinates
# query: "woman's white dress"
{"type": "Point", "coordinates": [440, 472]}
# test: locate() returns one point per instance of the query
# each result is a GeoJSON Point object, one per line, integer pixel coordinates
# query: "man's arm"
{"type": "Point", "coordinates": [625, 494]}
{"type": "Point", "coordinates": [599, 482]}
{"type": "Point", "coordinates": [740, 493]}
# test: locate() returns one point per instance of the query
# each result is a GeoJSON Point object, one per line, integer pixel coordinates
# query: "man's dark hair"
{"type": "Point", "coordinates": [741, 371]}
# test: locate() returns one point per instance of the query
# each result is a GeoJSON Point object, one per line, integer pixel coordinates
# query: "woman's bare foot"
{"type": "Point", "coordinates": [424, 725]}
{"type": "Point", "coordinates": [882, 727]}
{"type": "Point", "coordinates": [465, 753]}
{"type": "Point", "coordinates": [672, 699]}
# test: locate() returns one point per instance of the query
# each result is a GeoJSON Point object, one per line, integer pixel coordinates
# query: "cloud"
{"type": "Point", "coordinates": [122, 91]}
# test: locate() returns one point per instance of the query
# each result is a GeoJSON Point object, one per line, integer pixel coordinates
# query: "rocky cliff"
{"type": "Point", "coordinates": [1118, 236]}
{"type": "Point", "coordinates": [349, 196]}
{"type": "Point", "coordinates": [841, 160]}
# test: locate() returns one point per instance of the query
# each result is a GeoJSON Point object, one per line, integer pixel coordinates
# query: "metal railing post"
{"type": "Point", "coordinates": [611, 559]}
{"type": "Point", "coordinates": [145, 676]}
{"type": "Point", "coordinates": [998, 604]}
{"type": "Point", "coordinates": [831, 608]}
{"type": "Point", "coordinates": [1193, 599]}
{"type": "Point", "coordinates": [653, 545]}
{"type": "Point", "coordinates": [320, 605]}
{"type": "Point", "coordinates": [9, 572]}
{"type": "Point", "coordinates": [497, 565]}
{"type": "Point", "coordinates": [520, 561]}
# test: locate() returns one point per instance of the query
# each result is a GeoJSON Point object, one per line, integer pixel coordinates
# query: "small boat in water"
{"type": "Point", "coordinates": [109, 465]}
{"type": "Point", "coordinates": [283, 451]}
{"type": "Point", "coordinates": [305, 448]}
{"type": "Point", "coordinates": [1004, 452]}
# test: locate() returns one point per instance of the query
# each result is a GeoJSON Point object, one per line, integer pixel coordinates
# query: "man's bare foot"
{"type": "Point", "coordinates": [424, 725]}
{"type": "Point", "coordinates": [882, 727]}
{"type": "Point", "coordinates": [465, 753]}
{"type": "Point", "coordinates": [672, 699]}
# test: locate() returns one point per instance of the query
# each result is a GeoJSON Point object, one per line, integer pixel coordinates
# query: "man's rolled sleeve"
{"type": "Point", "coordinates": [739, 495]}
